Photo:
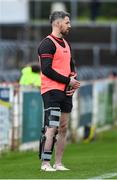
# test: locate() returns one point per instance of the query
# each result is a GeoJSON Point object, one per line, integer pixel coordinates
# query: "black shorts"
{"type": "Point", "coordinates": [57, 98]}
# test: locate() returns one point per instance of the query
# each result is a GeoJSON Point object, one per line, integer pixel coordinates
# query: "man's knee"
{"type": "Point", "coordinates": [52, 117]}
{"type": "Point", "coordinates": [63, 129]}
{"type": "Point", "coordinates": [63, 123]}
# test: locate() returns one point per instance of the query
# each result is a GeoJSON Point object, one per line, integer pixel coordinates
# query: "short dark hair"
{"type": "Point", "coordinates": [57, 15]}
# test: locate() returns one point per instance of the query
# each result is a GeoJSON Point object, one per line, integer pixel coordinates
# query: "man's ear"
{"type": "Point", "coordinates": [57, 23]}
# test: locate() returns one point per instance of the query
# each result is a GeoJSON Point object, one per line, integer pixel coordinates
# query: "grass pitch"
{"type": "Point", "coordinates": [85, 161]}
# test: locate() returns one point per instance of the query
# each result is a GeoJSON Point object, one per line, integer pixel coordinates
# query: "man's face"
{"type": "Point", "coordinates": [65, 25]}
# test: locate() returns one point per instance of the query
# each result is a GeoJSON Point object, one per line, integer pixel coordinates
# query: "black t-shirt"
{"type": "Point", "coordinates": [46, 52]}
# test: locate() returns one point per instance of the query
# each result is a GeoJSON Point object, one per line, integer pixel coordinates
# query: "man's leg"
{"type": "Point", "coordinates": [49, 134]}
{"type": "Point", "coordinates": [52, 121]}
{"type": "Point", "coordinates": [61, 139]}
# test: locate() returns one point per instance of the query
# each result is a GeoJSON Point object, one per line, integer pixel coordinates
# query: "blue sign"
{"type": "Point", "coordinates": [32, 116]}
{"type": "Point", "coordinates": [4, 94]}
{"type": "Point", "coordinates": [85, 105]}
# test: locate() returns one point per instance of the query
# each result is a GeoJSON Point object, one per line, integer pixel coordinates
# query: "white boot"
{"type": "Point", "coordinates": [60, 167]}
{"type": "Point", "coordinates": [47, 167]}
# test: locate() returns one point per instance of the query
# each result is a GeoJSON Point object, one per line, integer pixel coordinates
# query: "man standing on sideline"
{"type": "Point", "coordinates": [57, 75]}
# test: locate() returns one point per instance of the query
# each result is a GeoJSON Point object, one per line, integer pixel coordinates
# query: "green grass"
{"type": "Point", "coordinates": [85, 161]}
{"type": "Point", "coordinates": [83, 19]}
{"type": "Point", "coordinates": [100, 19]}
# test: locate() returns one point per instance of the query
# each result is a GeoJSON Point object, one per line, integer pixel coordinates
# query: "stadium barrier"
{"type": "Point", "coordinates": [31, 116]}
{"type": "Point", "coordinates": [96, 108]}
{"type": "Point", "coordinates": [21, 113]}
{"type": "Point", "coordinates": [6, 105]}
{"type": "Point", "coordinates": [20, 117]}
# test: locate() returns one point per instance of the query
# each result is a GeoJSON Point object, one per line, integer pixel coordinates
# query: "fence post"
{"type": "Point", "coordinates": [96, 56]}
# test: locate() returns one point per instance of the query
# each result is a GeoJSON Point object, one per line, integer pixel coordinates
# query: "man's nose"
{"type": "Point", "coordinates": [69, 25]}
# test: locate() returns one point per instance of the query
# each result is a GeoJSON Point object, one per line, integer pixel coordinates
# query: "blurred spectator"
{"type": "Point", "coordinates": [58, 6]}
{"type": "Point", "coordinates": [95, 6]}
{"type": "Point", "coordinates": [112, 75]}
{"type": "Point", "coordinates": [30, 76]}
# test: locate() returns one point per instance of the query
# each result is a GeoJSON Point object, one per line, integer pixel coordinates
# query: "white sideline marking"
{"type": "Point", "coordinates": [104, 176]}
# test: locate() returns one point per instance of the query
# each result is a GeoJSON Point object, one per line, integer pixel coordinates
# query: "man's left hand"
{"type": "Point", "coordinates": [70, 92]}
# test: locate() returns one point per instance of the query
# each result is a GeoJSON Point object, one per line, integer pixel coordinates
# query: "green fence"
{"type": "Point", "coordinates": [32, 116]}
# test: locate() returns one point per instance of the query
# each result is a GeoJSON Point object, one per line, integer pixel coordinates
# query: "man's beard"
{"type": "Point", "coordinates": [64, 33]}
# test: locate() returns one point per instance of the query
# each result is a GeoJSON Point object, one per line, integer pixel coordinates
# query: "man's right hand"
{"type": "Point", "coordinates": [74, 83]}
